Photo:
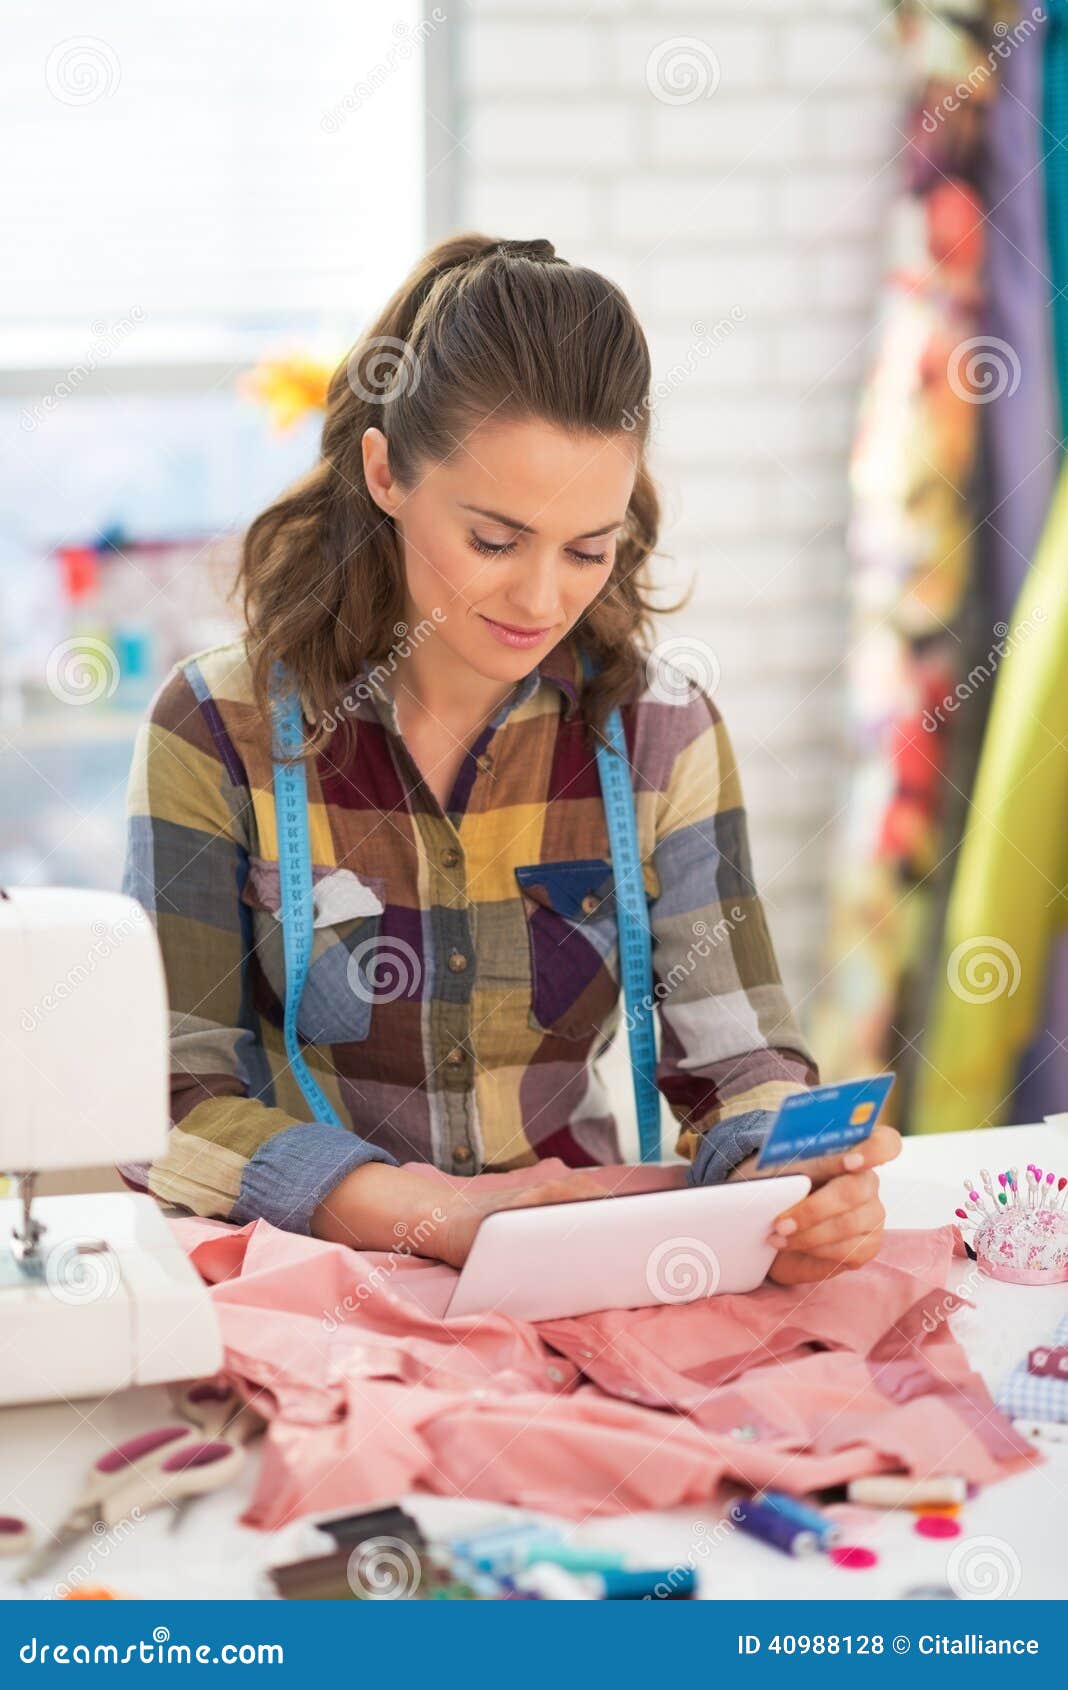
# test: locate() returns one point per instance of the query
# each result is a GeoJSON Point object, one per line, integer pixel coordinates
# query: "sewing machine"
{"type": "Point", "coordinates": [95, 1292]}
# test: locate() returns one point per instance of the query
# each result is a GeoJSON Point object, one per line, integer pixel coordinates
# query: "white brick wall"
{"type": "Point", "coordinates": [768, 196]}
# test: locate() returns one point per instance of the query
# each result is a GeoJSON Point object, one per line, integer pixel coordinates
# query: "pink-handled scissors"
{"type": "Point", "coordinates": [168, 1466]}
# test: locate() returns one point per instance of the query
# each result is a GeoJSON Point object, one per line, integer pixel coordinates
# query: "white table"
{"type": "Point", "coordinates": [45, 1449]}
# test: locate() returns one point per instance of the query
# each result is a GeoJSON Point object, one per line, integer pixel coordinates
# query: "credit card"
{"type": "Point", "coordinates": [824, 1120]}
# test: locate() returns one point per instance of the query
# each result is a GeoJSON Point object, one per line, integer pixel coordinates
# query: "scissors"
{"type": "Point", "coordinates": [171, 1465]}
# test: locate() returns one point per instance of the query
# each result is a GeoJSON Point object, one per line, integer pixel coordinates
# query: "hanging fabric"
{"type": "Point", "coordinates": [910, 541]}
{"type": "Point", "coordinates": [1010, 895]}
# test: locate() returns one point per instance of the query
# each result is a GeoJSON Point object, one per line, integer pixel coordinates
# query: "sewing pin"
{"type": "Point", "coordinates": [1015, 1185]}
{"type": "Point", "coordinates": [1061, 1183]}
{"type": "Point", "coordinates": [988, 1184]}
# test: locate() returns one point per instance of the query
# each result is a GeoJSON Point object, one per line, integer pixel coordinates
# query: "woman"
{"type": "Point", "coordinates": [481, 505]}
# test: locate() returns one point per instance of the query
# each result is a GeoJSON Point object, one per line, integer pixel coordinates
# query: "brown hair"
{"type": "Point", "coordinates": [478, 328]}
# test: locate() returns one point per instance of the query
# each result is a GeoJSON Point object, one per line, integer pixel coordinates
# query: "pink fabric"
{"type": "Point", "coordinates": [369, 1393]}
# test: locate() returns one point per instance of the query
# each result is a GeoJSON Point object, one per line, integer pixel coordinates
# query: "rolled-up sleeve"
{"type": "Point", "coordinates": [730, 1047]}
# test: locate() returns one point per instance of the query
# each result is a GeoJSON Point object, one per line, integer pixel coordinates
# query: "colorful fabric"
{"type": "Point", "coordinates": [1007, 904]}
{"type": "Point", "coordinates": [369, 1393]}
{"type": "Point", "coordinates": [1032, 1396]}
{"type": "Point", "coordinates": [464, 977]}
{"type": "Point", "coordinates": [911, 545]}
{"type": "Point", "coordinates": [1022, 454]}
{"type": "Point", "coordinates": [1055, 137]}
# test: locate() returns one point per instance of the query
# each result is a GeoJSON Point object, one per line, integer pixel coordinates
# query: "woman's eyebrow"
{"type": "Point", "coordinates": [525, 528]}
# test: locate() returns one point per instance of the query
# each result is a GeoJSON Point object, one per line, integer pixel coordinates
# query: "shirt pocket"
{"type": "Point", "coordinates": [573, 937]}
{"type": "Point", "coordinates": [339, 992]}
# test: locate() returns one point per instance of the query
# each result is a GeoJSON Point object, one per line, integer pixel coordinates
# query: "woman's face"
{"type": "Point", "coordinates": [509, 540]}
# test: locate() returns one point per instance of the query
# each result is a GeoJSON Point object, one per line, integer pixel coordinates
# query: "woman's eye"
{"type": "Point", "coordinates": [488, 549]}
{"type": "Point", "coordinates": [588, 557]}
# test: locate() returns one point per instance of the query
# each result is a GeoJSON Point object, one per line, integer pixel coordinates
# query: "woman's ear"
{"type": "Point", "coordinates": [376, 472]}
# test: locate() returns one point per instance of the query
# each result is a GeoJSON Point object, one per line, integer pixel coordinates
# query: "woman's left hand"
{"type": "Point", "coordinates": [839, 1225]}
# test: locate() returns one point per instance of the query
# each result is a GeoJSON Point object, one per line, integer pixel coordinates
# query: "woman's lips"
{"type": "Point", "coordinates": [520, 638]}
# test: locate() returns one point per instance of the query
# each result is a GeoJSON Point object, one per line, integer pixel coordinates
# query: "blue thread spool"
{"type": "Point", "coordinates": [826, 1530]}
{"type": "Point", "coordinates": [763, 1521]}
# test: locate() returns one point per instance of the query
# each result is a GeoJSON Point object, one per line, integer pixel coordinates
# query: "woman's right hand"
{"type": "Point", "coordinates": [380, 1207]}
{"type": "Point", "coordinates": [465, 1211]}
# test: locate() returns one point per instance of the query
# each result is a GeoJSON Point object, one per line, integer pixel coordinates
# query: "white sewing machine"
{"type": "Point", "coordinates": [95, 1292]}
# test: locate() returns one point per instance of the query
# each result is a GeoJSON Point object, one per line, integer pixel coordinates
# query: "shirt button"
{"type": "Point", "coordinates": [456, 1057]}
{"type": "Point", "coordinates": [457, 962]}
{"type": "Point", "coordinates": [485, 763]}
{"type": "Point", "coordinates": [450, 856]}
{"type": "Point", "coordinates": [461, 1153]}
{"type": "Point", "coordinates": [745, 1433]}
{"type": "Point", "coordinates": [590, 903]}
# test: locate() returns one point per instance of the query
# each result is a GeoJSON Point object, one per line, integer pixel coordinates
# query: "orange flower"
{"type": "Point", "coordinates": [291, 386]}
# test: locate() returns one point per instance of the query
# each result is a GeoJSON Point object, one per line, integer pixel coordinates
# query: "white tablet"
{"type": "Point", "coordinates": [564, 1259]}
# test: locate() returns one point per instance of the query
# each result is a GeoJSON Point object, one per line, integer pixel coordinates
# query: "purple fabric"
{"type": "Point", "coordinates": [1023, 434]}
{"type": "Point", "coordinates": [1022, 446]}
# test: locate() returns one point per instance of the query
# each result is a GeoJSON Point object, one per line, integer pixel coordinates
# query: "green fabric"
{"type": "Point", "coordinates": [1055, 136]}
{"type": "Point", "coordinates": [1008, 898]}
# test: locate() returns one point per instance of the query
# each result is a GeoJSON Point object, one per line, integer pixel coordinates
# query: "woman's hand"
{"type": "Point", "coordinates": [839, 1224]}
{"type": "Point", "coordinates": [379, 1207]}
{"type": "Point", "coordinates": [466, 1210]}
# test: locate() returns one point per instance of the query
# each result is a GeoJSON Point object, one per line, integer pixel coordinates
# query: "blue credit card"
{"type": "Point", "coordinates": [823, 1120]}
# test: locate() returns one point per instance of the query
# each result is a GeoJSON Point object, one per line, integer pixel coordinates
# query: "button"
{"type": "Point", "coordinates": [461, 1154]}
{"type": "Point", "coordinates": [450, 856]}
{"type": "Point", "coordinates": [556, 1374]}
{"type": "Point", "coordinates": [457, 962]}
{"type": "Point", "coordinates": [745, 1433]}
{"type": "Point", "coordinates": [590, 903]}
{"type": "Point", "coordinates": [456, 1057]}
{"type": "Point", "coordinates": [485, 763]}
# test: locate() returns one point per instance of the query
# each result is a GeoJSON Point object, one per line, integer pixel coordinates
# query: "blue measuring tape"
{"type": "Point", "coordinates": [295, 876]}
{"type": "Point", "coordinates": [635, 937]}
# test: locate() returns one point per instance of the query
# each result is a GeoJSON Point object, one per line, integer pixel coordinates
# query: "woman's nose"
{"type": "Point", "coordinates": [534, 591]}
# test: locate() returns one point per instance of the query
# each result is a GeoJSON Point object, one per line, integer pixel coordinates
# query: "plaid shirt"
{"type": "Point", "coordinates": [464, 975]}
